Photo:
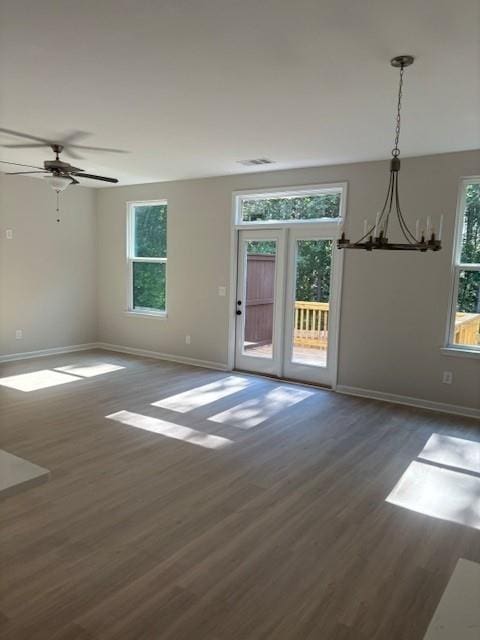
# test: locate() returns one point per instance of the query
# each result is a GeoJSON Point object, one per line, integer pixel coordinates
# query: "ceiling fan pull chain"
{"type": "Point", "coordinates": [58, 206]}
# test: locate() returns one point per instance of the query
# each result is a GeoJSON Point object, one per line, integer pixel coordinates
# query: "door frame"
{"type": "Point", "coordinates": [331, 226]}
{"type": "Point", "coordinates": [273, 365]}
{"type": "Point", "coordinates": [320, 375]}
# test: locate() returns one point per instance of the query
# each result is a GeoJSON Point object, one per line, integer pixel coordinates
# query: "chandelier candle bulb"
{"type": "Point", "coordinates": [417, 230]}
{"type": "Point", "coordinates": [365, 227]}
{"type": "Point", "coordinates": [377, 219]}
{"type": "Point", "coordinates": [429, 226]}
{"type": "Point", "coordinates": [440, 228]}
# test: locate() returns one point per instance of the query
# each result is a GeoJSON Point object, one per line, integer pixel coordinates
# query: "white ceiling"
{"type": "Point", "coordinates": [189, 87]}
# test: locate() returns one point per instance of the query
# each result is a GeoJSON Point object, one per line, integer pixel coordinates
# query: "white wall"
{"type": "Point", "coordinates": [394, 305]}
{"type": "Point", "coordinates": [47, 271]}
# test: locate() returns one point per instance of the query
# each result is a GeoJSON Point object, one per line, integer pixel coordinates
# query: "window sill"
{"type": "Point", "coordinates": [159, 315]}
{"type": "Point", "coordinates": [461, 353]}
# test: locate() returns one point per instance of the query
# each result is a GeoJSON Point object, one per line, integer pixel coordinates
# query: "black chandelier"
{"type": "Point", "coordinates": [376, 237]}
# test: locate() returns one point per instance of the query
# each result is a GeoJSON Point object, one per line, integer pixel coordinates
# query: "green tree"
{"type": "Point", "coordinates": [469, 283]}
{"type": "Point", "coordinates": [149, 290]}
{"type": "Point", "coordinates": [296, 208]}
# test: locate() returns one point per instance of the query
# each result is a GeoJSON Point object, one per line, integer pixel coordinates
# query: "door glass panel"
{"type": "Point", "coordinates": [312, 294]}
{"type": "Point", "coordinates": [261, 257]}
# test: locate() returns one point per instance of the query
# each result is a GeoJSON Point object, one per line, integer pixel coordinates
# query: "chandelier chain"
{"type": "Point", "coordinates": [396, 150]}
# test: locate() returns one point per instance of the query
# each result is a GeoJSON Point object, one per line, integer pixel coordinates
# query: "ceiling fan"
{"type": "Point", "coordinates": [58, 174]}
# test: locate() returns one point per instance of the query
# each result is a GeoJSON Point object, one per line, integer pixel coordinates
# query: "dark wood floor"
{"type": "Point", "coordinates": [279, 531]}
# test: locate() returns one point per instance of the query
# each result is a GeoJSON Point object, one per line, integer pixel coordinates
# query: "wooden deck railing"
{"type": "Point", "coordinates": [311, 326]}
{"type": "Point", "coordinates": [467, 328]}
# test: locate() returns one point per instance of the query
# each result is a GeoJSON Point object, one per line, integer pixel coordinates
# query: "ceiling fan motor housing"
{"type": "Point", "coordinates": [57, 165]}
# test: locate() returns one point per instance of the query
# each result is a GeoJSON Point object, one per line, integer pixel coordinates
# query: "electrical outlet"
{"type": "Point", "coordinates": [18, 334]}
{"type": "Point", "coordinates": [188, 339]}
{"type": "Point", "coordinates": [447, 377]}
{"type": "Point", "coordinates": [9, 234]}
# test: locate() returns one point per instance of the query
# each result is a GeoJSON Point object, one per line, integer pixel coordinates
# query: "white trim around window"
{"type": "Point", "coordinates": [451, 348]}
{"type": "Point", "coordinates": [131, 258]}
{"type": "Point", "coordinates": [289, 192]}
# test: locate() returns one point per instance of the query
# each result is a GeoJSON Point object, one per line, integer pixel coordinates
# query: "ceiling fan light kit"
{"type": "Point", "coordinates": [58, 183]}
{"type": "Point", "coordinates": [58, 174]}
{"type": "Point", "coordinates": [375, 237]}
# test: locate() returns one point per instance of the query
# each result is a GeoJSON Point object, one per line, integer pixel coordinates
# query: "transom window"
{"type": "Point", "coordinates": [147, 257]}
{"type": "Point", "coordinates": [299, 204]}
{"type": "Point", "coordinates": [464, 326]}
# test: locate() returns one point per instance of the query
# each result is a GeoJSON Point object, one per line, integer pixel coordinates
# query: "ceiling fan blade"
{"type": "Point", "coordinates": [69, 152]}
{"type": "Point", "coordinates": [19, 134]}
{"type": "Point", "coordinates": [18, 164]}
{"type": "Point", "coordinates": [92, 177]}
{"type": "Point", "coordinates": [81, 146]}
{"type": "Point", "coordinates": [22, 146]}
{"type": "Point", "coordinates": [74, 135]}
{"type": "Point", "coordinates": [21, 173]}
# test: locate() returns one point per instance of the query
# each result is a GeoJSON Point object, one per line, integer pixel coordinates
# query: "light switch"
{"type": "Point", "coordinates": [222, 291]}
{"type": "Point", "coordinates": [9, 234]}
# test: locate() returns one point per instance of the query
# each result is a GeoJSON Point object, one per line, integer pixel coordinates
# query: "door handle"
{"type": "Point", "coordinates": [238, 312]}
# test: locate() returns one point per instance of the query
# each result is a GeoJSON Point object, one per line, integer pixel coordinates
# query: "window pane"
{"type": "Point", "coordinates": [467, 318]}
{"type": "Point", "coordinates": [471, 226]}
{"type": "Point", "coordinates": [259, 298]}
{"type": "Point", "coordinates": [151, 231]}
{"type": "Point", "coordinates": [325, 205]}
{"type": "Point", "coordinates": [149, 285]}
{"type": "Point", "coordinates": [312, 295]}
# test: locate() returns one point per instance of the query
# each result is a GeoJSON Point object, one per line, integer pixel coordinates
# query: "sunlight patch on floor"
{"type": "Point", "coordinates": [253, 412]}
{"type": "Point", "coordinates": [36, 380]}
{"type": "Point", "coordinates": [89, 370]}
{"type": "Point", "coordinates": [452, 452]}
{"type": "Point", "coordinates": [170, 430]}
{"type": "Point", "coordinates": [458, 613]}
{"type": "Point", "coordinates": [439, 493]}
{"type": "Point", "coordinates": [201, 396]}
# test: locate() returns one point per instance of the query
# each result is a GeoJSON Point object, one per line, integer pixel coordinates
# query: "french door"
{"type": "Point", "coordinates": [287, 303]}
{"type": "Point", "coordinates": [260, 301]}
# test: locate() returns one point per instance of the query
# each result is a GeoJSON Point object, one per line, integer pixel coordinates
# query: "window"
{"type": "Point", "coordinates": [147, 257]}
{"type": "Point", "coordinates": [464, 329]}
{"type": "Point", "coordinates": [289, 206]}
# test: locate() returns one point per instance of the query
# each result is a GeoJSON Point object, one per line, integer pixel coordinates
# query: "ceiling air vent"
{"type": "Point", "coordinates": [255, 161]}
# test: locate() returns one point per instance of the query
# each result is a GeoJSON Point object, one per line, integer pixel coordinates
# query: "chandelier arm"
{"type": "Point", "coordinates": [389, 194]}
{"type": "Point", "coordinates": [390, 204]}
{"type": "Point", "coordinates": [372, 229]}
{"type": "Point", "coordinates": [407, 234]}
{"type": "Point", "coordinates": [404, 229]}
{"type": "Point", "coordinates": [403, 225]}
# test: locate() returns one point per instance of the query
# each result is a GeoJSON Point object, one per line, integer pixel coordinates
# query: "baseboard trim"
{"type": "Point", "coordinates": [409, 401]}
{"type": "Point", "coordinates": [25, 355]}
{"type": "Point", "coordinates": [220, 366]}
{"type": "Point", "coordinates": [194, 362]}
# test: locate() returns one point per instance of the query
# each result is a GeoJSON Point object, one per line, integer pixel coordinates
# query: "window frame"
{"type": "Point", "coordinates": [131, 258]}
{"type": "Point", "coordinates": [451, 348]}
{"type": "Point", "coordinates": [295, 191]}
